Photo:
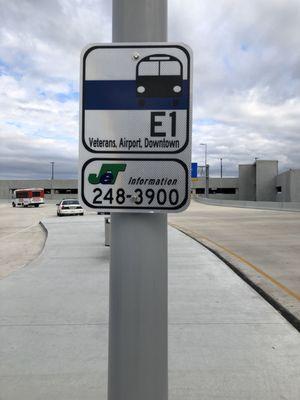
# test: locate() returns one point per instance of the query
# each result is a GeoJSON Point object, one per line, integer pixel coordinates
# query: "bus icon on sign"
{"type": "Point", "coordinates": [159, 75]}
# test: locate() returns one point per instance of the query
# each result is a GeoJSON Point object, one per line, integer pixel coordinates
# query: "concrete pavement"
{"type": "Point", "coordinates": [262, 244]}
{"type": "Point", "coordinates": [225, 341]}
{"type": "Point", "coordinates": [21, 237]}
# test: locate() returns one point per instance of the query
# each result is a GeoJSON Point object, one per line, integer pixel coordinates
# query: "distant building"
{"type": "Point", "coordinates": [54, 189]}
{"type": "Point", "coordinates": [219, 188]}
{"type": "Point", "coordinates": [288, 185]}
{"type": "Point", "coordinates": [256, 182]}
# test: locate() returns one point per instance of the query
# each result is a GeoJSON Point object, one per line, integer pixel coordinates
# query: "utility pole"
{"type": "Point", "coordinates": [138, 311]}
{"type": "Point", "coordinates": [221, 167]}
{"type": "Point", "coordinates": [206, 169]}
{"type": "Point", "coordinates": [52, 177]}
{"type": "Point", "coordinates": [205, 152]}
{"type": "Point", "coordinates": [52, 170]}
{"type": "Point", "coordinates": [206, 180]}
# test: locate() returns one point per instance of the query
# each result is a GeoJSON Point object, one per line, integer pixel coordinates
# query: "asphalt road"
{"type": "Point", "coordinates": [263, 244]}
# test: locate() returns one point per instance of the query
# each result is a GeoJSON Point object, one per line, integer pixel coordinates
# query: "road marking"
{"type": "Point", "coordinates": [248, 263]}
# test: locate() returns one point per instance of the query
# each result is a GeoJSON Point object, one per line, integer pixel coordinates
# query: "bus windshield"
{"type": "Point", "coordinates": [149, 68]}
{"type": "Point", "coordinates": [169, 68]}
{"type": "Point", "coordinates": [159, 67]}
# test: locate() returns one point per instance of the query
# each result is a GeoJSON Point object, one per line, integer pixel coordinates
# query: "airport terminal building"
{"type": "Point", "coordinates": [259, 181]}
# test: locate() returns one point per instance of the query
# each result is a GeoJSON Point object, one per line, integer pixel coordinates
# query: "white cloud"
{"type": "Point", "coordinates": [21, 157]}
{"type": "Point", "coordinates": [40, 44]}
{"type": "Point", "coordinates": [246, 78]}
{"type": "Point", "coordinates": [246, 83]}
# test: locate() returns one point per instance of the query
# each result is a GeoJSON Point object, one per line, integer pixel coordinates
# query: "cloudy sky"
{"type": "Point", "coordinates": [246, 80]}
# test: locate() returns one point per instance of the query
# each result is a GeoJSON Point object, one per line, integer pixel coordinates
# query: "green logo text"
{"type": "Point", "coordinates": [107, 175]}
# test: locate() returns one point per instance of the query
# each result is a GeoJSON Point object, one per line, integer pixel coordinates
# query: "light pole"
{"type": "Point", "coordinates": [52, 170]}
{"type": "Point", "coordinates": [52, 177]}
{"type": "Point", "coordinates": [206, 170]}
{"type": "Point", "coordinates": [205, 149]}
{"type": "Point", "coordinates": [221, 167]}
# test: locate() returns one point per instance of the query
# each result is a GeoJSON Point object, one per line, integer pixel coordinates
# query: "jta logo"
{"type": "Point", "coordinates": [107, 175]}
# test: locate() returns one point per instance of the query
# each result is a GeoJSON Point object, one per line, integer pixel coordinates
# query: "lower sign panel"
{"type": "Point", "coordinates": [135, 184]}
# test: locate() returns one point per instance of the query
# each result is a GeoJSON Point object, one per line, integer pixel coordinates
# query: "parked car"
{"type": "Point", "coordinates": [69, 207]}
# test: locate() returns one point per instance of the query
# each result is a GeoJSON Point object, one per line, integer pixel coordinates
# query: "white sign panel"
{"type": "Point", "coordinates": [135, 150]}
{"type": "Point", "coordinates": [154, 184]}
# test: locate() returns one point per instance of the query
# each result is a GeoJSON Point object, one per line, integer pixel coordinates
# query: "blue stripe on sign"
{"type": "Point", "coordinates": [121, 95]}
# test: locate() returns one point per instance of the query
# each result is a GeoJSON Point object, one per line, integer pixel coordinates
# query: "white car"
{"type": "Point", "coordinates": [69, 207]}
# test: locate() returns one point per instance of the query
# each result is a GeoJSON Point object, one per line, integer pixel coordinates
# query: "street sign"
{"type": "Point", "coordinates": [122, 184]}
{"type": "Point", "coordinates": [135, 150]}
{"type": "Point", "coordinates": [194, 172]}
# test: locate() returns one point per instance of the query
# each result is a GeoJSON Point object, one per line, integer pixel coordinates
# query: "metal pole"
{"type": "Point", "coordinates": [52, 170]}
{"type": "Point", "coordinates": [221, 167]}
{"type": "Point", "coordinates": [138, 322]}
{"type": "Point", "coordinates": [107, 231]}
{"type": "Point", "coordinates": [207, 180]}
{"type": "Point", "coordinates": [52, 177]}
{"type": "Point", "coordinates": [206, 172]}
{"type": "Point", "coordinates": [140, 20]}
{"type": "Point", "coordinates": [205, 152]}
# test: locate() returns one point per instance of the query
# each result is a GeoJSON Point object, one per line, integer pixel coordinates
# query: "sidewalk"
{"type": "Point", "coordinates": [225, 341]}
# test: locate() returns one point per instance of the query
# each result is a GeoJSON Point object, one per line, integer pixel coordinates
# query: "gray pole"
{"type": "Point", "coordinates": [207, 180]}
{"type": "Point", "coordinates": [52, 170]}
{"type": "Point", "coordinates": [52, 177]}
{"type": "Point", "coordinates": [206, 170]}
{"type": "Point", "coordinates": [206, 173]}
{"type": "Point", "coordinates": [138, 320]}
{"type": "Point", "coordinates": [140, 20]}
{"type": "Point", "coordinates": [221, 160]}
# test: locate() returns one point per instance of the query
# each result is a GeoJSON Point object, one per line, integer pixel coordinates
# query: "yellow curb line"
{"type": "Point", "coordinates": [248, 263]}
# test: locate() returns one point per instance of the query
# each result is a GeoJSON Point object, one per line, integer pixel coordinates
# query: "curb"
{"type": "Point", "coordinates": [247, 205]}
{"type": "Point", "coordinates": [291, 318]}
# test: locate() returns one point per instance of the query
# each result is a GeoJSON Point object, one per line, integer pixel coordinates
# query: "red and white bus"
{"type": "Point", "coordinates": [28, 197]}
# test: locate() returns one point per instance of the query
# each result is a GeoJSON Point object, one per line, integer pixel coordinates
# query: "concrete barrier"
{"type": "Point", "coordinates": [264, 205]}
